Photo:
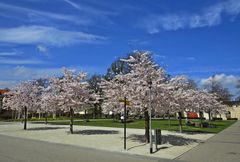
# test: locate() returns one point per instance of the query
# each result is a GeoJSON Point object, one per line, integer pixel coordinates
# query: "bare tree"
{"type": "Point", "coordinates": [94, 86]}
{"type": "Point", "coordinates": [215, 87]}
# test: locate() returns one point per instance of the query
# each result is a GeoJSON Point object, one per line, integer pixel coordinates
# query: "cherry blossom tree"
{"type": "Point", "coordinates": [191, 99]}
{"type": "Point", "coordinates": [10, 102]}
{"type": "Point", "coordinates": [135, 86]}
{"type": "Point", "coordinates": [72, 93]}
{"type": "Point", "coordinates": [144, 83]}
{"type": "Point", "coordinates": [180, 87]}
{"type": "Point", "coordinates": [49, 102]}
{"type": "Point", "coordinates": [176, 95]}
{"type": "Point", "coordinates": [24, 97]}
{"type": "Point", "coordinates": [144, 76]}
{"type": "Point", "coordinates": [115, 90]}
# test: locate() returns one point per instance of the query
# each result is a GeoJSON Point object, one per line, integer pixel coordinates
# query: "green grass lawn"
{"type": "Point", "coordinates": [161, 124]}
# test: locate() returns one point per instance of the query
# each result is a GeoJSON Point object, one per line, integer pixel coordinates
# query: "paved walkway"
{"type": "Point", "coordinates": [24, 150]}
{"type": "Point", "coordinates": [108, 139]}
{"type": "Point", "coordinates": [223, 147]}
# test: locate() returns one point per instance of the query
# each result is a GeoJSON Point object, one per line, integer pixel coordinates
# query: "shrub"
{"type": "Point", "coordinates": [205, 125]}
{"type": "Point", "coordinates": [127, 121]}
{"type": "Point", "coordinates": [216, 119]}
{"type": "Point", "coordinates": [232, 118]}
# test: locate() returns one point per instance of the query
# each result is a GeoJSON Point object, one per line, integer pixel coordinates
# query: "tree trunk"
{"type": "Point", "coordinates": [169, 120]}
{"type": "Point", "coordinates": [22, 116]}
{"type": "Point", "coordinates": [201, 118]}
{"type": "Point", "coordinates": [25, 118]}
{"type": "Point", "coordinates": [12, 114]}
{"type": "Point", "coordinates": [94, 111]}
{"type": "Point", "coordinates": [186, 120]}
{"type": "Point", "coordinates": [180, 121]}
{"type": "Point", "coordinates": [146, 116]}
{"type": "Point", "coordinates": [209, 115]}
{"type": "Point", "coordinates": [46, 118]}
{"type": "Point", "coordinates": [59, 114]}
{"type": "Point", "coordinates": [19, 115]}
{"type": "Point", "coordinates": [15, 114]}
{"type": "Point", "coordinates": [71, 120]}
{"type": "Point", "coordinates": [54, 115]}
{"type": "Point", "coordinates": [100, 111]}
{"type": "Point", "coordinates": [85, 116]}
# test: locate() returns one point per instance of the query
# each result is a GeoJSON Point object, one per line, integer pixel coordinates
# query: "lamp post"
{"type": "Point", "coordinates": [125, 120]}
{"type": "Point", "coordinates": [150, 115]}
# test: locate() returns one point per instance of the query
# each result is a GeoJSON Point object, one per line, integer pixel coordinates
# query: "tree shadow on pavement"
{"type": "Point", "coordinates": [137, 138]}
{"type": "Point", "coordinates": [45, 128]}
{"type": "Point", "coordinates": [178, 140]}
{"type": "Point", "coordinates": [137, 146]}
{"type": "Point", "coordinates": [166, 139]}
{"type": "Point", "coordinates": [194, 132]}
{"type": "Point", "coordinates": [95, 132]}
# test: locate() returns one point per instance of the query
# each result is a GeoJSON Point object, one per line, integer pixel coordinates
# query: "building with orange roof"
{"type": "Point", "coordinates": [2, 91]}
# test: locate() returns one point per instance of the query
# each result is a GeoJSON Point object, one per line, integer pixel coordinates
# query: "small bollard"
{"type": "Point", "coordinates": [158, 137]}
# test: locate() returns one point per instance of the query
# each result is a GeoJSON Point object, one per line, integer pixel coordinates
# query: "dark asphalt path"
{"type": "Point", "coordinates": [24, 150]}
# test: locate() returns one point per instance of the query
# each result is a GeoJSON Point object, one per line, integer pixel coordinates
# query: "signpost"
{"type": "Point", "coordinates": [125, 120]}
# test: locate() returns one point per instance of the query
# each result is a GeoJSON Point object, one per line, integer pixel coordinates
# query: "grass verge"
{"type": "Point", "coordinates": [156, 124]}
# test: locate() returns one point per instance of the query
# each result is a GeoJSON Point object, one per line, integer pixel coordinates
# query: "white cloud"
{"type": "Point", "coordinates": [31, 13]}
{"type": "Point", "coordinates": [14, 75]}
{"type": "Point", "coordinates": [45, 35]}
{"type": "Point", "coordinates": [7, 84]}
{"type": "Point", "coordinates": [21, 71]}
{"type": "Point", "coordinates": [89, 10]}
{"type": "Point", "coordinates": [10, 76]}
{"type": "Point", "coordinates": [12, 61]}
{"type": "Point", "coordinates": [210, 16]}
{"type": "Point", "coordinates": [206, 70]}
{"type": "Point", "coordinates": [72, 4]}
{"type": "Point", "coordinates": [228, 81]}
{"type": "Point", "coordinates": [159, 56]}
{"type": "Point", "coordinates": [12, 53]}
{"type": "Point", "coordinates": [138, 42]}
{"type": "Point", "coordinates": [42, 49]}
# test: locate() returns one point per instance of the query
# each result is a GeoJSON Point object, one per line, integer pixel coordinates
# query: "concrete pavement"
{"type": "Point", "coordinates": [14, 149]}
{"type": "Point", "coordinates": [104, 138]}
{"type": "Point", "coordinates": [223, 147]}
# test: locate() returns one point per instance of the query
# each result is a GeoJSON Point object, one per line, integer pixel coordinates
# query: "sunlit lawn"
{"type": "Point", "coordinates": [159, 123]}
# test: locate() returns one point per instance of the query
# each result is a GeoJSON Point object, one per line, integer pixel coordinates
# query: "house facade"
{"type": "Point", "coordinates": [233, 109]}
{"type": "Point", "coordinates": [2, 91]}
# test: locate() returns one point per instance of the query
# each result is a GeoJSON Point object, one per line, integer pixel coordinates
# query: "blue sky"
{"type": "Point", "coordinates": [197, 38]}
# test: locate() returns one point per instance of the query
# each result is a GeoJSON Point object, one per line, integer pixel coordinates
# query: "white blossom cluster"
{"type": "Point", "coordinates": [168, 95]}
{"type": "Point", "coordinates": [64, 93]}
